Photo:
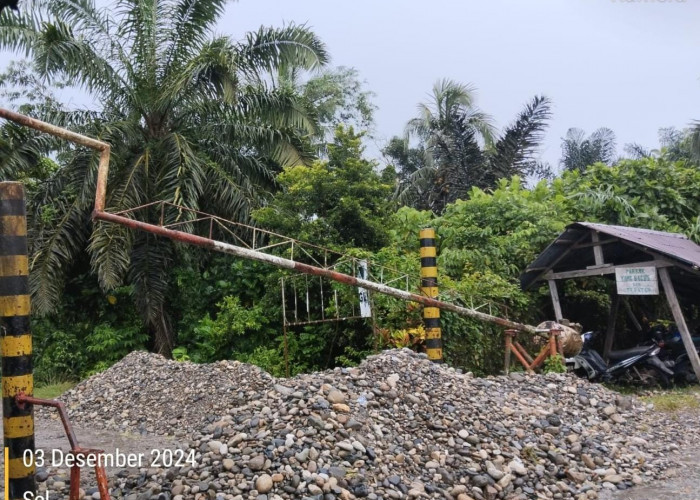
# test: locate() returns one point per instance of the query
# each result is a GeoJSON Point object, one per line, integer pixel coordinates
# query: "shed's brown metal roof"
{"type": "Point", "coordinates": [621, 245]}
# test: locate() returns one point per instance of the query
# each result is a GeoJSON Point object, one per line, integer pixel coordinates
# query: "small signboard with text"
{"type": "Point", "coordinates": [636, 281]}
{"type": "Point", "coordinates": [365, 304]}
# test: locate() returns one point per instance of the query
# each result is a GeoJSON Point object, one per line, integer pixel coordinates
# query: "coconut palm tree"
{"type": "Point", "coordinates": [192, 119]}
{"type": "Point", "coordinates": [458, 147]}
{"type": "Point", "coordinates": [448, 128]}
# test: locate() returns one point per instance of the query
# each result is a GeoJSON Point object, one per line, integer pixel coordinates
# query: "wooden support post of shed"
{"type": "Point", "coordinates": [680, 320]}
{"type": "Point", "coordinates": [555, 300]}
{"type": "Point", "coordinates": [597, 249]}
{"type": "Point", "coordinates": [612, 320]}
{"type": "Point", "coordinates": [631, 316]}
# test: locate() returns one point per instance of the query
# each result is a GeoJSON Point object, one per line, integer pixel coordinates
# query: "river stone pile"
{"type": "Point", "coordinates": [397, 426]}
{"type": "Point", "coordinates": [147, 393]}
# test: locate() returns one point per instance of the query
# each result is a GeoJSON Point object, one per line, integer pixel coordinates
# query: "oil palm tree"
{"type": "Point", "coordinates": [192, 119]}
{"type": "Point", "coordinates": [579, 151]}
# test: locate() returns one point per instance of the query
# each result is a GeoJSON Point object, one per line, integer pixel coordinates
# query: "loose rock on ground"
{"type": "Point", "coordinates": [397, 426]}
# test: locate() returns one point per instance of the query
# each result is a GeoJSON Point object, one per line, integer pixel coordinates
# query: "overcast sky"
{"type": "Point", "coordinates": [630, 65]}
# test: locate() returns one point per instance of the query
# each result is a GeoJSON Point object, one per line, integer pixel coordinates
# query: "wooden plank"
{"type": "Point", "coordinates": [600, 271]}
{"type": "Point", "coordinates": [558, 259]}
{"type": "Point", "coordinates": [597, 249]}
{"type": "Point", "coordinates": [680, 320]}
{"type": "Point", "coordinates": [592, 244]}
{"type": "Point", "coordinates": [612, 319]}
{"type": "Point", "coordinates": [630, 315]}
{"type": "Point", "coordinates": [555, 299]}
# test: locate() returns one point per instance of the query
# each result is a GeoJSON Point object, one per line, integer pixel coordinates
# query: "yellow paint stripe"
{"type": "Point", "coordinates": [431, 312]}
{"type": "Point", "coordinates": [429, 291]}
{"type": "Point", "coordinates": [19, 470]}
{"type": "Point", "coordinates": [14, 265]}
{"type": "Point", "coordinates": [7, 473]}
{"type": "Point", "coordinates": [427, 233]}
{"type": "Point", "coordinates": [428, 252]}
{"type": "Point", "coordinates": [433, 333]}
{"type": "Point", "coordinates": [20, 345]}
{"type": "Point", "coordinates": [11, 386]}
{"type": "Point", "coordinates": [14, 305]}
{"type": "Point", "coordinates": [434, 353]}
{"type": "Point", "coordinates": [13, 225]}
{"type": "Point", "coordinates": [18, 427]}
{"type": "Point", "coordinates": [428, 272]}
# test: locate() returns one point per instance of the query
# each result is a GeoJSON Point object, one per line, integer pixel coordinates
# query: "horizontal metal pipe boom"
{"type": "Point", "coordinates": [283, 263]}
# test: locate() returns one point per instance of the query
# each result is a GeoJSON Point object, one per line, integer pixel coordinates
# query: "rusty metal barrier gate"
{"type": "Point", "coordinates": [239, 251]}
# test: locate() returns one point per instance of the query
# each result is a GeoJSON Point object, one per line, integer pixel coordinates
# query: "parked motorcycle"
{"type": "Point", "coordinates": [636, 365]}
{"type": "Point", "coordinates": [673, 352]}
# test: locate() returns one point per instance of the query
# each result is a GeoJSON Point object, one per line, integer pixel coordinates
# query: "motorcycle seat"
{"type": "Point", "coordinates": [628, 353]}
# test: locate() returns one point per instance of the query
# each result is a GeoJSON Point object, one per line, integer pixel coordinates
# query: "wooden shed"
{"type": "Point", "coordinates": [637, 259]}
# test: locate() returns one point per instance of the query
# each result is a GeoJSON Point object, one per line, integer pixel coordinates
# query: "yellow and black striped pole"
{"type": "Point", "coordinates": [429, 288]}
{"type": "Point", "coordinates": [17, 377]}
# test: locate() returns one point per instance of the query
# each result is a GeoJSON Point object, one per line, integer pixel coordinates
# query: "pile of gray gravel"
{"type": "Point", "coordinates": [397, 426]}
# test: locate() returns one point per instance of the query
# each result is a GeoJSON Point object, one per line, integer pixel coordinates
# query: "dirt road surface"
{"type": "Point", "coordinates": [50, 436]}
{"type": "Point", "coordinates": [682, 483]}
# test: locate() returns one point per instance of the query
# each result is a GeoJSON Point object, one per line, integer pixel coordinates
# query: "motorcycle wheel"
{"type": "Point", "coordinates": [684, 373]}
{"type": "Point", "coordinates": [652, 377]}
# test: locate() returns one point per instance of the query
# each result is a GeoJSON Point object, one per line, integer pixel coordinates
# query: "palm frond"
{"type": "Point", "coordinates": [148, 272]}
{"type": "Point", "coordinates": [278, 48]}
{"type": "Point", "coordinates": [56, 245]}
{"type": "Point", "coordinates": [514, 153]}
{"type": "Point", "coordinates": [191, 22]}
{"type": "Point", "coordinates": [695, 142]}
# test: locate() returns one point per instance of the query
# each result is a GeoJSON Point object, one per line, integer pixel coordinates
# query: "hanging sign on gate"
{"type": "Point", "coordinates": [365, 307]}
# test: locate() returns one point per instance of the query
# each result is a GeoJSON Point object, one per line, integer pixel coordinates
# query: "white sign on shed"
{"type": "Point", "coordinates": [636, 281]}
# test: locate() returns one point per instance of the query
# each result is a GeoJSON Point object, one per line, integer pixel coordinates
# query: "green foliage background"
{"type": "Point", "coordinates": [247, 130]}
{"type": "Point", "coordinates": [231, 309]}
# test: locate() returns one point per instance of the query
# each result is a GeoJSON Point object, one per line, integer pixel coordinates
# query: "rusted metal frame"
{"type": "Point", "coordinates": [510, 347]}
{"type": "Point", "coordinates": [506, 356]}
{"type": "Point", "coordinates": [23, 399]}
{"type": "Point", "coordinates": [313, 259]}
{"type": "Point", "coordinates": [284, 303]}
{"type": "Point", "coordinates": [183, 222]}
{"type": "Point", "coordinates": [274, 245]}
{"type": "Point", "coordinates": [101, 475]}
{"type": "Point", "coordinates": [222, 225]}
{"type": "Point", "coordinates": [140, 207]}
{"type": "Point", "coordinates": [100, 214]}
{"type": "Point", "coordinates": [225, 222]}
{"type": "Point", "coordinates": [522, 351]}
{"type": "Point", "coordinates": [551, 348]}
{"type": "Point", "coordinates": [102, 147]}
{"type": "Point", "coordinates": [323, 312]}
{"type": "Point", "coordinates": [319, 321]}
{"type": "Point", "coordinates": [307, 269]}
{"type": "Point", "coordinates": [544, 353]}
{"type": "Point", "coordinates": [389, 282]}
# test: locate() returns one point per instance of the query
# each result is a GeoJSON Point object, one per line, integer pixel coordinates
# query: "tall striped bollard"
{"type": "Point", "coordinates": [17, 377]}
{"type": "Point", "coordinates": [429, 288]}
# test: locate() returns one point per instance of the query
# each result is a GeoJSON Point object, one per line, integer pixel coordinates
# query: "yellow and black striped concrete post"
{"type": "Point", "coordinates": [429, 288]}
{"type": "Point", "coordinates": [18, 423]}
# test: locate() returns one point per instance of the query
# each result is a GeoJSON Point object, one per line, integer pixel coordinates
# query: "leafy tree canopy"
{"type": "Point", "coordinates": [191, 119]}
{"type": "Point", "coordinates": [340, 202]}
